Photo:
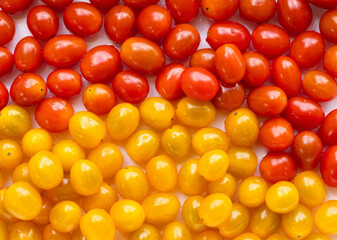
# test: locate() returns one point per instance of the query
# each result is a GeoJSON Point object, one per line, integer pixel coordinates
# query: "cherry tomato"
{"type": "Point", "coordinates": [329, 166]}
{"type": "Point", "coordinates": [6, 61]}
{"type": "Point", "coordinates": [325, 218]}
{"type": "Point", "coordinates": [120, 23]}
{"type": "Point", "coordinates": [307, 49]}
{"type": "Point", "coordinates": [228, 32]}
{"type": "Point", "coordinates": [181, 42]}
{"type": "Point", "coordinates": [13, 6]}
{"type": "Point", "coordinates": [258, 12]}
{"type": "Point", "coordinates": [330, 61]}
{"type": "Point", "coordinates": [229, 64]}
{"type": "Point", "coordinates": [230, 97]}
{"type": "Point", "coordinates": [130, 86]}
{"type": "Point", "coordinates": [270, 40]}
{"type": "Point", "coordinates": [203, 58]}
{"type": "Point", "coordinates": [4, 96]}
{"type": "Point", "coordinates": [219, 10]}
{"type": "Point", "coordinates": [53, 114]}
{"type": "Point", "coordinates": [7, 28]}
{"type": "Point", "coordinates": [328, 130]}
{"type": "Point", "coordinates": [139, 3]}
{"type": "Point", "coordinates": [287, 75]}
{"type": "Point", "coordinates": [329, 4]}
{"type": "Point", "coordinates": [267, 101]}
{"type": "Point", "coordinates": [304, 113]}
{"type": "Point", "coordinates": [64, 50]}
{"type": "Point", "coordinates": [100, 63]}
{"type": "Point", "coordinates": [142, 55]}
{"type": "Point", "coordinates": [183, 11]}
{"type": "Point", "coordinates": [104, 4]}
{"type": "Point", "coordinates": [43, 22]}
{"type": "Point", "coordinates": [28, 54]}
{"type": "Point", "coordinates": [57, 3]}
{"type": "Point", "coordinates": [257, 69]}
{"type": "Point", "coordinates": [328, 25]}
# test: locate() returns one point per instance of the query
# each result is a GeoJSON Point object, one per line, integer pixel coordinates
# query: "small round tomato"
{"type": "Point", "coordinates": [304, 113]}
{"type": "Point", "coordinates": [242, 162]}
{"type": "Point", "coordinates": [7, 27]}
{"type": "Point", "coordinates": [28, 89]}
{"type": "Point", "coordinates": [226, 185]}
{"type": "Point", "coordinates": [203, 58]}
{"type": "Point", "coordinates": [258, 12]}
{"type": "Point", "coordinates": [230, 97]}
{"type": "Point", "coordinates": [147, 231]}
{"type": "Point", "coordinates": [104, 4]}
{"type": "Point", "coordinates": [228, 32]}
{"type": "Point", "coordinates": [252, 191]}
{"type": "Point", "coordinates": [43, 22]}
{"type": "Point", "coordinates": [53, 114]}
{"type": "Point", "coordinates": [6, 61]}
{"type": "Point", "coordinates": [57, 3]}
{"type": "Point", "coordinates": [328, 25]}
{"type": "Point", "coordinates": [219, 10]}
{"type": "Point", "coordinates": [36, 140]}
{"type": "Point", "coordinates": [13, 6]}
{"type": "Point", "coordinates": [183, 11]}
{"type": "Point", "coordinates": [139, 3]}
{"type": "Point", "coordinates": [190, 213]}
{"type": "Point", "coordinates": [99, 98]}
{"type": "Point", "coordinates": [4, 96]}
{"type": "Point", "coordinates": [257, 69]}
{"type": "Point", "coordinates": [176, 141]}
{"type": "Point", "coordinates": [213, 165]}
{"type": "Point", "coordinates": [64, 50]}
{"type": "Point", "coordinates": [325, 218]}
{"type": "Point", "coordinates": [82, 19]}
{"type": "Point", "coordinates": [181, 42]}
{"type": "Point", "coordinates": [28, 54]}
{"type": "Point", "coordinates": [330, 61]}
{"type": "Point", "coordinates": [329, 166]}
{"type": "Point", "coordinates": [14, 121]}
{"type": "Point", "coordinates": [270, 40]}
{"type": "Point", "coordinates": [328, 130]}
{"type": "Point", "coordinates": [130, 86]}
{"type": "Point", "coordinates": [176, 231]}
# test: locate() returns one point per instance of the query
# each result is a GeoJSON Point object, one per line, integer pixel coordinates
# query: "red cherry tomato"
{"type": "Point", "coordinates": [28, 89]}
{"type": "Point", "coordinates": [64, 51]}
{"type": "Point", "coordinates": [319, 86]}
{"type": "Point", "coordinates": [329, 166]}
{"type": "Point", "coordinates": [307, 150]}
{"type": "Point", "coordinates": [130, 86]}
{"type": "Point", "coordinates": [307, 49]}
{"type": "Point", "coordinates": [304, 113]}
{"type": "Point", "coordinates": [257, 69]}
{"type": "Point", "coordinates": [257, 11]}
{"type": "Point", "coordinates": [120, 23]}
{"type": "Point", "coordinates": [230, 97]}
{"type": "Point", "coordinates": [100, 64]}
{"type": "Point", "coordinates": [328, 25]}
{"type": "Point", "coordinates": [267, 101]}
{"type": "Point", "coordinates": [140, 3]}
{"type": "Point", "coordinates": [328, 130]}
{"type": "Point", "coordinates": [228, 32]}
{"type": "Point", "coordinates": [229, 64]}
{"type": "Point", "coordinates": [13, 6]}
{"type": "Point", "coordinates": [287, 75]}
{"type": "Point", "coordinates": [203, 58]}
{"type": "Point", "coordinates": [219, 10]}
{"type": "Point", "coordinates": [330, 61]}
{"type": "Point", "coordinates": [57, 3]}
{"type": "Point", "coordinates": [28, 54]}
{"type": "Point", "coordinates": [105, 5]}
{"type": "Point", "coordinates": [278, 166]}
{"type": "Point", "coordinates": [53, 114]}
{"type": "Point", "coordinates": [64, 83]}
{"type": "Point", "coordinates": [168, 81]}
{"type": "Point", "coordinates": [270, 40]}
{"type": "Point", "coordinates": [7, 28]}
{"type": "Point", "coordinates": [4, 96]}
{"type": "Point", "coordinates": [182, 41]}
{"type": "Point", "coordinates": [6, 61]}
{"type": "Point", "coordinates": [183, 11]}
{"type": "Point", "coordinates": [199, 84]}
{"type": "Point", "coordinates": [43, 22]}
{"type": "Point", "coordinates": [329, 4]}
{"type": "Point", "coordinates": [99, 98]}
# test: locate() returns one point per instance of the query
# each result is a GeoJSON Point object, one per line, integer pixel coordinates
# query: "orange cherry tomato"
{"type": "Point", "coordinates": [330, 61]}
{"type": "Point", "coordinates": [57, 3]}
{"type": "Point", "coordinates": [219, 10]}
{"type": "Point", "coordinates": [4, 96]}
{"type": "Point", "coordinates": [230, 97]}
{"type": "Point", "coordinates": [6, 61]}
{"type": "Point", "coordinates": [13, 6]}
{"type": "Point", "coordinates": [328, 129]}
{"type": "Point", "coordinates": [257, 69]}
{"type": "Point", "coordinates": [7, 27]}
{"type": "Point", "coordinates": [183, 11]}
{"type": "Point", "coordinates": [328, 25]}
{"type": "Point", "coordinates": [257, 11]}
{"type": "Point", "coordinates": [203, 58]}
{"type": "Point", "coordinates": [139, 3]}
{"type": "Point", "coordinates": [28, 54]}
{"type": "Point", "coordinates": [104, 4]}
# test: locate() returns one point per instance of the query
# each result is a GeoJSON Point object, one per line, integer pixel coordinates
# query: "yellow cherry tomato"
{"type": "Point", "coordinates": [264, 221]}
{"type": "Point", "coordinates": [97, 224]}
{"type": "Point", "coordinates": [317, 236]}
{"type": "Point", "coordinates": [176, 141]}
{"type": "Point", "coordinates": [195, 113]}
{"type": "Point", "coordinates": [215, 209]}
{"type": "Point", "coordinates": [23, 201]}
{"type": "Point", "coordinates": [4, 214]}
{"type": "Point", "coordinates": [247, 236]}
{"type": "Point", "coordinates": [3, 230]}
{"type": "Point", "coordinates": [213, 165]}
{"type": "Point", "coordinates": [43, 217]}
{"type": "Point", "coordinates": [242, 162]}
{"type": "Point", "coordinates": [25, 231]}
{"type": "Point", "coordinates": [142, 145]}
{"type": "Point", "coordinates": [189, 180]}
{"type": "Point", "coordinates": [282, 197]}
{"type": "Point", "coordinates": [128, 215]}
{"type": "Point", "coordinates": [45, 169]}
{"type": "Point", "coordinates": [252, 191]}
{"type": "Point", "coordinates": [68, 152]}
{"type": "Point", "coordinates": [190, 213]}
{"type": "Point", "coordinates": [326, 217]}
{"type": "Point", "coordinates": [311, 188]}
{"type": "Point", "coordinates": [36, 140]}
{"type": "Point", "coordinates": [146, 232]}
{"type": "Point", "coordinates": [65, 216]}
{"type": "Point", "coordinates": [161, 208]}
{"type": "Point", "coordinates": [242, 127]}
{"type": "Point", "coordinates": [64, 191]}
{"type": "Point", "coordinates": [176, 231]}
{"type": "Point", "coordinates": [208, 235]}
{"type": "Point", "coordinates": [87, 129]}
{"type": "Point", "coordinates": [10, 154]}
{"type": "Point", "coordinates": [226, 185]}
{"type": "Point", "coordinates": [20, 174]}
{"type": "Point", "coordinates": [77, 235]}
{"type": "Point", "coordinates": [161, 171]}
{"type": "Point", "coordinates": [277, 236]}
{"type": "Point", "coordinates": [131, 183]}
{"type": "Point", "coordinates": [108, 158]}
{"type": "Point", "coordinates": [50, 233]}
{"type": "Point", "coordinates": [14, 121]}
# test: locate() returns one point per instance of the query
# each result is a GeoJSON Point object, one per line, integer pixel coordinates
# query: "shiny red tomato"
{"type": "Point", "coordinates": [328, 130]}
{"type": "Point", "coordinates": [4, 96]}
{"type": "Point", "coordinates": [28, 54]}
{"type": "Point", "coordinates": [140, 3]}
{"type": "Point", "coordinates": [329, 166]}
{"type": "Point", "coordinates": [328, 25]}
{"type": "Point", "coordinates": [99, 98]}
{"type": "Point", "coordinates": [182, 41]}
{"type": "Point", "coordinates": [64, 83]}
{"type": "Point", "coordinates": [105, 5]}
{"type": "Point", "coordinates": [219, 10]}
{"type": "Point", "coordinates": [307, 150]}
{"type": "Point", "coordinates": [329, 4]}
{"type": "Point", "coordinates": [304, 113]}
{"type": "Point", "coordinates": [168, 81]}
{"type": "Point", "coordinates": [204, 58]}
{"type": "Point", "coordinates": [278, 166]}
{"type": "Point", "coordinates": [13, 6]}
{"type": "Point", "coordinates": [57, 3]}
{"type": "Point", "coordinates": [6, 61]}
{"type": "Point", "coordinates": [64, 51]}
{"type": "Point", "coordinates": [257, 69]}
{"type": "Point", "coordinates": [7, 28]}
{"type": "Point", "coordinates": [183, 11]}
{"type": "Point", "coordinates": [43, 22]}
{"type": "Point", "coordinates": [130, 86]}
{"type": "Point", "coordinates": [228, 32]}
{"type": "Point", "coordinates": [270, 40]}
{"type": "Point", "coordinates": [330, 61]}
{"type": "Point", "coordinates": [230, 97]}
{"type": "Point", "coordinates": [257, 11]}
{"type": "Point", "coordinates": [267, 101]}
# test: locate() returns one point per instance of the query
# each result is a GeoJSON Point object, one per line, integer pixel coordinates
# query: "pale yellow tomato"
{"type": "Point", "coordinates": [226, 185]}
{"type": "Point", "coordinates": [242, 162]}
{"type": "Point", "coordinates": [209, 138]}
{"type": "Point", "coordinates": [213, 165]}
{"type": "Point", "coordinates": [176, 141]}
{"type": "Point", "coordinates": [14, 121]}
{"type": "Point", "coordinates": [36, 140]}
{"type": "Point", "coordinates": [190, 213]}
{"type": "Point", "coordinates": [252, 191]}
{"type": "Point", "coordinates": [10, 154]}
{"type": "Point", "coordinates": [326, 217]}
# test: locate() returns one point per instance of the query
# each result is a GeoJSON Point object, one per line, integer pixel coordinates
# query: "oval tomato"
{"type": "Point", "coordinates": [57, 3]}
{"type": "Point", "coordinates": [330, 61]}
{"type": "Point", "coordinates": [328, 25]}
{"type": "Point", "coordinates": [4, 96]}
{"type": "Point", "coordinates": [328, 130]}
{"type": "Point", "coordinates": [219, 10]}
{"type": "Point", "coordinates": [203, 58]}
{"type": "Point", "coordinates": [28, 54]}
{"type": "Point", "coordinates": [257, 11]}
{"type": "Point", "coordinates": [257, 69]}
{"type": "Point", "coordinates": [104, 4]}
{"type": "Point", "coordinates": [6, 61]}
{"type": "Point", "coordinates": [329, 166]}
{"type": "Point", "coordinates": [230, 97]}
{"type": "Point", "coordinates": [7, 28]}
{"type": "Point", "coordinates": [13, 6]}
{"type": "Point", "coordinates": [139, 3]}
{"type": "Point", "coordinates": [183, 11]}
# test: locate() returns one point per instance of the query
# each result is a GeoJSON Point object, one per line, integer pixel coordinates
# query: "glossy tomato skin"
{"type": "Point", "coordinates": [258, 12]}
{"type": "Point", "coordinates": [270, 40]}
{"type": "Point", "coordinates": [258, 69]}
{"type": "Point", "coordinates": [230, 97]}
{"type": "Point", "coordinates": [105, 5]}
{"type": "Point", "coordinates": [28, 54]}
{"type": "Point", "coordinates": [278, 166]}
{"type": "Point", "coordinates": [130, 86]}
{"type": "Point", "coordinates": [228, 32]}
{"type": "Point", "coordinates": [4, 96]}
{"type": "Point", "coordinates": [7, 28]}
{"type": "Point", "coordinates": [219, 10]}
{"type": "Point", "coordinates": [43, 22]}
{"type": "Point", "coordinates": [307, 49]}
{"type": "Point", "coordinates": [203, 58]}
{"type": "Point", "coordinates": [183, 11]}
{"type": "Point", "coordinates": [53, 114]}
{"type": "Point", "coordinates": [328, 25]}
{"type": "Point", "coordinates": [57, 3]}
{"type": "Point", "coordinates": [6, 61]}
{"type": "Point", "coordinates": [328, 130]}
{"type": "Point", "coordinates": [181, 42]}
{"type": "Point", "coordinates": [140, 3]}
{"type": "Point", "coordinates": [329, 166]}
{"type": "Point", "coordinates": [330, 61]}
{"type": "Point", "coordinates": [304, 113]}
{"type": "Point", "coordinates": [329, 4]}
{"type": "Point", "coordinates": [13, 6]}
